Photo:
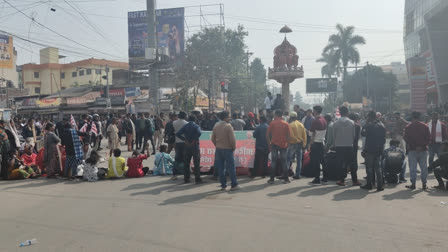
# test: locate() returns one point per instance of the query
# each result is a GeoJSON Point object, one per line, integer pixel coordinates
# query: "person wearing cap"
{"type": "Point", "coordinates": [251, 122]}
{"type": "Point", "coordinates": [297, 142]}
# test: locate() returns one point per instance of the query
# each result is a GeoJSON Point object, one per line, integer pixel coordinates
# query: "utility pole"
{"type": "Point", "coordinates": [152, 45]}
{"type": "Point", "coordinates": [367, 78]}
{"type": "Point", "coordinates": [252, 97]}
{"type": "Point", "coordinates": [108, 102]}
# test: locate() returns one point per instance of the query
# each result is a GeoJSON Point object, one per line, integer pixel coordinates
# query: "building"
{"type": "Point", "coordinates": [426, 50]}
{"type": "Point", "coordinates": [50, 76]}
{"type": "Point", "coordinates": [8, 58]}
{"type": "Point", "coordinates": [404, 92]}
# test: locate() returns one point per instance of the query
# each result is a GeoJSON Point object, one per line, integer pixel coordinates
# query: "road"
{"type": "Point", "coordinates": [157, 214]}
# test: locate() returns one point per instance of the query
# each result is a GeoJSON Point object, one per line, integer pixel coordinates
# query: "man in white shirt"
{"type": "Point", "coordinates": [268, 102]}
{"type": "Point", "coordinates": [180, 144]}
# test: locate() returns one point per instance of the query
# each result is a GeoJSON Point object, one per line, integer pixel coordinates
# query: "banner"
{"type": "Point", "coordinates": [170, 33]}
{"type": "Point", "coordinates": [321, 85]}
{"type": "Point", "coordinates": [6, 52]}
{"type": "Point", "coordinates": [418, 78]}
{"type": "Point", "coordinates": [44, 103]}
{"type": "Point", "coordinates": [244, 153]}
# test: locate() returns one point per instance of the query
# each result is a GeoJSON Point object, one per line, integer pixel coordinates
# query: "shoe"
{"type": "Point", "coordinates": [366, 187]}
{"type": "Point", "coordinates": [223, 189]}
{"type": "Point", "coordinates": [324, 180]}
{"type": "Point", "coordinates": [403, 181]}
{"type": "Point", "coordinates": [424, 187]}
{"type": "Point", "coordinates": [412, 187]}
{"type": "Point", "coordinates": [286, 181]}
{"type": "Point", "coordinates": [380, 189]}
{"type": "Point", "coordinates": [271, 181]}
{"type": "Point", "coordinates": [174, 177]}
{"type": "Point", "coordinates": [198, 182]}
{"type": "Point", "coordinates": [440, 187]}
{"type": "Point", "coordinates": [235, 188]}
{"type": "Point", "coordinates": [357, 183]}
{"type": "Point", "coordinates": [340, 183]}
{"type": "Point", "coordinates": [316, 181]}
{"type": "Point", "coordinates": [296, 177]}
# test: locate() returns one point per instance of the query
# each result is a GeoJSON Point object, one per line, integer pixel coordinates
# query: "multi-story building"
{"type": "Point", "coordinates": [426, 50]}
{"type": "Point", "coordinates": [50, 76]}
{"type": "Point", "coordinates": [404, 93]}
{"type": "Point", "coordinates": [8, 58]}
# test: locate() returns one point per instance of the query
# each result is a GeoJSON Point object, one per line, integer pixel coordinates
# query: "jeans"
{"type": "Point", "coordinates": [420, 157]}
{"type": "Point", "coordinates": [277, 152]}
{"type": "Point", "coordinates": [179, 157]}
{"type": "Point", "coordinates": [148, 137]}
{"type": "Point", "coordinates": [317, 157]}
{"type": "Point", "coordinates": [344, 158]}
{"type": "Point", "coordinates": [354, 165]}
{"type": "Point", "coordinates": [192, 152]}
{"type": "Point", "coordinates": [434, 149]}
{"type": "Point", "coordinates": [225, 156]}
{"type": "Point", "coordinates": [373, 166]}
{"type": "Point", "coordinates": [261, 162]}
{"type": "Point", "coordinates": [295, 149]}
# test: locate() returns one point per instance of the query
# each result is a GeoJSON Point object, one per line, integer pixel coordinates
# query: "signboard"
{"type": "Point", "coordinates": [321, 85]}
{"type": "Point", "coordinates": [114, 92]}
{"type": "Point", "coordinates": [133, 92]}
{"type": "Point", "coordinates": [170, 33]}
{"type": "Point", "coordinates": [6, 52]}
{"type": "Point", "coordinates": [44, 103]}
{"type": "Point", "coordinates": [418, 77]}
{"type": "Point", "coordinates": [244, 153]}
{"type": "Point", "coordinates": [90, 97]}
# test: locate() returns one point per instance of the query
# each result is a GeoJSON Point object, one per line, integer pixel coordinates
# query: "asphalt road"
{"type": "Point", "coordinates": [157, 214]}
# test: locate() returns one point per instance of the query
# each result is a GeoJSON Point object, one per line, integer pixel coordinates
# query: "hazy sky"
{"type": "Point", "coordinates": [103, 27]}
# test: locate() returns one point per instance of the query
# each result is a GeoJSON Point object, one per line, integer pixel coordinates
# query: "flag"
{"type": "Point", "coordinates": [94, 129]}
{"type": "Point", "coordinates": [73, 122]}
{"type": "Point", "coordinates": [84, 128]}
{"type": "Point", "coordinates": [337, 114]}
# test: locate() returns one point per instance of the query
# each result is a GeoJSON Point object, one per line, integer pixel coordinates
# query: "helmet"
{"type": "Point", "coordinates": [96, 115]}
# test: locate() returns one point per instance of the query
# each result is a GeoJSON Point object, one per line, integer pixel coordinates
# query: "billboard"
{"type": "Point", "coordinates": [170, 33]}
{"type": "Point", "coordinates": [321, 85]}
{"type": "Point", "coordinates": [6, 52]}
{"type": "Point", "coordinates": [418, 77]}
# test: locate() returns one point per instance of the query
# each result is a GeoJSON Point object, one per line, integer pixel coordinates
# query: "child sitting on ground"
{"type": "Point", "coordinates": [117, 165]}
{"type": "Point", "coordinates": [135, 164]}
{"type": "Point", "coordinates": [393, 162]}
{"type": "Point", "coordinates": [90, 170]}
{"type": "Point", "coordinates": [163, 162]}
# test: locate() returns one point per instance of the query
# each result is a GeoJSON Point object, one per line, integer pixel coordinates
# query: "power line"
{"type": "Point", "coordinates": [74, 41]}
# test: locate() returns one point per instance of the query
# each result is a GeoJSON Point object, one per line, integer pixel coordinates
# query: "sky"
{"type": "Point", "coordinates": [98, 28]}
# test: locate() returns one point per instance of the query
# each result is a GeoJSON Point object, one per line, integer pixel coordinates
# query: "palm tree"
{"type": "Point", "coordinates": [332, 64]}
{"type": "Point", "coordinates": [343, 44]}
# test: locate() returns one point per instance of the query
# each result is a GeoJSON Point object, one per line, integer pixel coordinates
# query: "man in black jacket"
{"type": "Point", "coordinates": [440, 167]}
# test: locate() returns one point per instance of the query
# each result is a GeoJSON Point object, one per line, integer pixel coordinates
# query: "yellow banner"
{"type": "Point", "coordinates": [6, 52]}
{"type": "Point", "coordinates": [44, 103]}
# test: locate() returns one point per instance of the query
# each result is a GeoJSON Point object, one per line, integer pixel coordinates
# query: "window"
{"type": "Point", "coordinates": [36, 75]}
{"type": "Point", "coordinates": [62, 75]}
{"type": "Point", "coordinates": [74, 74]}
{"type": "Point", "coordinates": [37, 90]}
{"type": "Point", "coordinates": [410, 23]}
{"type": "Point", "coordinates": [97, 71]}
{"type": "Point", "coordinates": [81, 73]}
{"type": "Point", "coordinates": [89, 71]}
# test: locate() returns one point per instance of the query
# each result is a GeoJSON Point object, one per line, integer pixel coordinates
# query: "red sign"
{"type": "Point", "coordinates": [115, 92]}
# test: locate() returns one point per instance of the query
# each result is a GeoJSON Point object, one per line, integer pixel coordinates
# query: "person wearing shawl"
{"type": "Point", "coordinates": [51, 152]}
{"type": "Point", "coordinates": [4, 150]}
{"type": "Point", "coordinates": [73, 149]}
{"type": "Point", "coordinates": [13, 136]}
{"type": "Point", "coordinates": [129, 127]}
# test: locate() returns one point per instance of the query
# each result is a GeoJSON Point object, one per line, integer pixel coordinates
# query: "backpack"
{"type": "Point", "coordinates": [394, 161]}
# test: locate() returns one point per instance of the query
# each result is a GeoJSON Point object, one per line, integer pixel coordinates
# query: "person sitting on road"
{"type": "Point", "coordinates": [17, 169]}
{"type": "Point", "coordinates": [440, 167]}
{"type": "Point", "coordinates": [163, 162]}
{"type": "Point", "coordinates": [393, 161]}
{"type": "Point", "coordinates": [90, 170]}
{"type": "Point", "coordinates": [28, 157]}
{"type": "Point", "coordinates": [135, 164]}
{"type": "Point", "coordinates": [117, 165]}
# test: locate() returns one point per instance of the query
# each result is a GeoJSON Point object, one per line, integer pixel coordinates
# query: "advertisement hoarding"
{"type": "Point", "coordinates": [170, 33]}
{"type": "Point", "coordinates": [6, 52]}
{"type": "Point", "coordinates": [418, 77]}
{"type": "Point", "coordinates": [321, 85]}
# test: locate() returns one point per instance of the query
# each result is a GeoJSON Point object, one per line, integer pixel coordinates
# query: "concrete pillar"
{"type": "Point", "coordinates": [285, 95]}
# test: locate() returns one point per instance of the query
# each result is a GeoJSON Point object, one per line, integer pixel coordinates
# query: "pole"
{"type": "Point", "coordinates": [152, 45]}
{"type": "Point", "coordinates": [367, 77]}
{"type": "Point", "coordinates": [109, 104]}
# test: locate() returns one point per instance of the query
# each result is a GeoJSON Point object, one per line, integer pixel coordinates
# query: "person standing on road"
{"type": "Point", "coordinates": [438, 136]}
{"type": "Point", "coordinates": [73, 150]}
{"type": "Point", "coordinates": [400, 125]}
{"type": "Point", "coordinates": [129, 128]}
{"type": "Point", "coordinates": [223, 137]}
{"type": "Point", "coordinates": [112, 136]}
{"type": "Point", "coordinates": [440, 167]}
{"type": "Point", "coordinates": [160, 128]}
{"type": "Point", "coordinates": [170, 136]}
{"type": "Point", "coordinates": [354, 165]}
{"type": "Point", "coordinates": [52, 156]}
{"type": "Point", "coordinates": [148, 133]}
{"type": "Point", "coordinates": [297, 142]}
{"type": "Point", "coordinates": [180, 145]}
{"type": "Point", "coordinates": [300, 113]}
{"type": "Point", "coordinates": [278, 135]}
{"type": "Point", "coordinates": [190, 134]}
{"type": "Point", "coordinates": [417, 137]}
{"type": "Point", "coordinates": [237, 123]}
{"type": "Point", "coordinates": [261, 149]}
{"type": "Point", "coordinates": [318, 130]}
{"type": "Point", "coordinates": [268, 102]}
{"type": "Point", "coordinates": [344, 133]}
{"type": "Point", "coordinates": [375, 135]}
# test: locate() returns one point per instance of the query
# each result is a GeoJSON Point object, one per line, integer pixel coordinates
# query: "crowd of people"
{"type": "Point", "coordinates": [69, 149]}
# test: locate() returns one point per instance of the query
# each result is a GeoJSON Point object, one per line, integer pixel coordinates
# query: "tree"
{"type": "Point", "coordinates": [332, 64]}
{"type": "Point", "coordinates": [213, 54]}
{"type": "Point", "coordinates": [343, 45]}
{"type": "Point", "coordinates": [382, 88]}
